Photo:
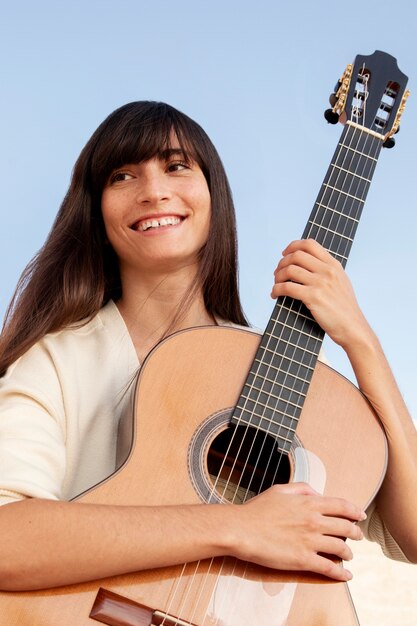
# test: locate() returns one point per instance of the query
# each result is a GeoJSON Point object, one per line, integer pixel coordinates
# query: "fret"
{"type": "Point", "coordinates": [273, 388]}
{"type": "Point", "coordinates": [267, 423]}
{"type": "Point", "coordinates": [285, 365]}
{"type": "Point", "coordinates": [363, 154]}
{"type": "Point", "coordinates": [354, 162]}
{"type": "Point", "coordinates": [335, 244]}
{"type": "Point", "coordinates": [299, 385]}
{"type": "Point", "coordinates": [282, 358]}
{"type": "Point", "coordinates": [286, 428]}
{"type": "Point", "coordinates": [334, 232]}
{"type": "Point", "coordinates": [340, 257]}
{"type": "Point", "coordinates": [361, 142]}
{"type": "Point", "coordinates": [294, 353]}
{"type": "Point", "coordinates": [288, 335]}
{"type": "Point", "coordinates": [343, 169]}
{"type": "Point", "coordinates": [349, 203]}
{"type": "Point", "coordinates": [344, 192]}
{"type": "Point", "coordinates": [305, 316]}
{"type": "Point", "coordinates": [302, 374]}
{"type": "Point", "coordinates": [283, 435]}
{"type": "Point", "coordinates": [292, 329]}
{"type": "Point", "coordinates": [336, 221]}
{"type": "Point", "coordinates": [328, 210]}
{"type": "Point", "coordinates": [269, 413]}
{"type": "Point", "coordinates": [263, 400]}
{"type": "Point", "coordinates": [300, 322]}
{"type": "Point", "coordinates": [356, 186]}
{"type": "Point", "coordinates": [278, 345]}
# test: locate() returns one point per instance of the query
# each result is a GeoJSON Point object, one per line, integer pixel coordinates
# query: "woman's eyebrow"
{"type": "Point", "coordinates": [170, 152]}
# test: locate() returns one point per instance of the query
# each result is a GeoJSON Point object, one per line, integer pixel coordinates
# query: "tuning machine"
{"type": "Point", "coordinates": [389, 143]}
{"type": "Point", "coordinates": [337, 99]}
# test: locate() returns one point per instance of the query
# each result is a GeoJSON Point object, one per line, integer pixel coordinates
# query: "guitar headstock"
{"type": "Point", "coordinates": [371, 94]}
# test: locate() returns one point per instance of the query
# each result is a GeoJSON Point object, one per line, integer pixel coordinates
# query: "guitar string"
{"type": "Point", "coordinates": [343, 231]}
{"type": "Point", "coordinates": [278, 371]}
{"type": "Point", "coordinates": [303, 323]}
{"type": "Point", "coordinates": [344, 201]}
{"type": "Point", "coordinates": [268, 429]}
{"type": "Point", "coordinates": [310, 361]}
{"type": "Point", "coordinates": [339, 217]}
{"type": "Point", "coordinates": [283, 383]}
{"type": "Point", "coordinates": [341, 204]}
{"type": "Point", "coordinates": [360, 195]}
{"type": "Point", "coordinates": [333, 236]}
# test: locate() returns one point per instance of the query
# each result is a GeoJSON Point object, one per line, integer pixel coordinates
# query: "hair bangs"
{"type": "Point", "coordinates": [147, 132]}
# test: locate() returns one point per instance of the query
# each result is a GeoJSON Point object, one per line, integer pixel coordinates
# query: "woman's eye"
{"type": "Point", "coordinates": [177, 166]}
{"type": "Point", "coordinates": [119, 176]}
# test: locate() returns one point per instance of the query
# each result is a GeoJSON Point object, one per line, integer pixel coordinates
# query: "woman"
{"type": "Point", "coordinates": [143, 245]}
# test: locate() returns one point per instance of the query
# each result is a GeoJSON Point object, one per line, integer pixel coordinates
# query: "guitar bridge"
{"type": "Point", "coordinates": [115, 610]}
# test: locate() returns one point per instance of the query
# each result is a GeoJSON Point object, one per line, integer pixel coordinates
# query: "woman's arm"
{"type": "Point", "coordinates": [309, 273]}
{"type": "Point", "coordinates": [48, 543]}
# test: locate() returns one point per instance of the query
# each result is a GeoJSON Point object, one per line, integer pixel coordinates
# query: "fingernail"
{"type": "Point", "coordinates": [363, 516]}
{"type": "Point", "coordinates": [349, 575]}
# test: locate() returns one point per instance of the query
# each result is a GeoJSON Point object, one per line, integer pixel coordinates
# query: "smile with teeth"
{"type": "Point", "coordinates": [169, 220]}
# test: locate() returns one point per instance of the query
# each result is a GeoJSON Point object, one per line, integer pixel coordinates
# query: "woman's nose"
{"type": "Point", "coordinates": [153, 186]}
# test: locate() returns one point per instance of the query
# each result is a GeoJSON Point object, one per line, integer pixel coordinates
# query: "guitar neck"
{"type": "Point", "coordinates": [338, 208]}
{"type": "Point", "coordinates": [277, 384]}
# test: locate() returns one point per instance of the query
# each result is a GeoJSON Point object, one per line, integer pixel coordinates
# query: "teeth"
{"type": "Point", "coordinates": [163, 221]}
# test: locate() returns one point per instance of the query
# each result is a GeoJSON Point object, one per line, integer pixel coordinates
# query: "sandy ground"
{"type": "Point", "coordinates": [384, 591]}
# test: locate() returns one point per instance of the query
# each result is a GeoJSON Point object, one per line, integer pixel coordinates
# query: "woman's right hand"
{"type": "Point", "coordinates": [292, 527]}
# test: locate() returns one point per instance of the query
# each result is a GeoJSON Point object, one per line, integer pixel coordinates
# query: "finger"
{"type": "Point", "coordinates": [311, 246]}
{"type": "Point", "coordinates": [339, 507]}
{"type": "Point", "coordinates": [327, 567]}
{"type": "Point", "coordinates": [298, 488]}
{"type": "Point", "coordinates": [336, 547]}
{"type": "Point", "coordinates": [302, 259]}
{"type": "Point", "coordinates": [294, 290]}
{"type": "Point", "coordinates": [341, 528]}
{"type": "Point", "coordinates": [296, 274]}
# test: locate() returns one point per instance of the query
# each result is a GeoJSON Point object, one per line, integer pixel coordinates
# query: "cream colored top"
{"type": "Point", "coordinates": [60, 407]}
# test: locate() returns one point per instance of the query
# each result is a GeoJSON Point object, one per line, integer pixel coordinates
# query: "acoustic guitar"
{"type": "Point", "coordinates": [239, 413]}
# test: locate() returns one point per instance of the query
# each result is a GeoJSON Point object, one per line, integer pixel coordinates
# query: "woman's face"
{"type": "Point", "coordinates": [157, 213]}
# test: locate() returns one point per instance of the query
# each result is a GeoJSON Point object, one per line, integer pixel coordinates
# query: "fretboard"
{"type": "Point", "coordinates": [274, 392]}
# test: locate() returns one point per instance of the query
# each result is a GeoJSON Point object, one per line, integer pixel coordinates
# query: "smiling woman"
{"type": "Point", "coordinates": [144, 244]}
{"type": "Point", "coordinates": [76, 273]}
{"type": "Point", "coordinates": [156, 215]}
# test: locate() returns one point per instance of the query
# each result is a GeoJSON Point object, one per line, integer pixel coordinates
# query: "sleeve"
{"type": "Point", "coordinates": [32, 429]}
{"type": "Point", "coordinates": [374, 529]}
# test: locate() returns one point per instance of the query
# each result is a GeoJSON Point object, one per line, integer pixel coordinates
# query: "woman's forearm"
{"type": "Point", "coordinates": [396, 500]}
{"type": "Point", "coordinates": [49, 543]}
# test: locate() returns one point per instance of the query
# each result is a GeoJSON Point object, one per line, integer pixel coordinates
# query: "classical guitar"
{"type": "Point", "coordinates": [237, 414]}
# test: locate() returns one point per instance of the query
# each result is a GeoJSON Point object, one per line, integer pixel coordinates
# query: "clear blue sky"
{"type": "Point", "coordinates": [257, 77]}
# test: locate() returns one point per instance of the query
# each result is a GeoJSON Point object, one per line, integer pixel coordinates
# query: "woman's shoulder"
{"type": "Point", "coordinates": [95, 338]}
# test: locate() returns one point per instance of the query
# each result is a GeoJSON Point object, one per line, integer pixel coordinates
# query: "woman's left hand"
{"type": "Point", "coordinates": [309, 273]}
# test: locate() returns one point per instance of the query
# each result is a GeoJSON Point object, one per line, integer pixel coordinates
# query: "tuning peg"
{"type": "Point", "coordinates": [397, 131]}
{"type": "Point", "coordinates": [333, 99]}
{"type": "Point", "coordinates": [331, 116]}
{"type": "Point", "coordinates": [389, 143]}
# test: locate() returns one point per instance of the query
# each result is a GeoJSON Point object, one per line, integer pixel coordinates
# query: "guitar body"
{"type": "Point", "coordinates": [186, 390]}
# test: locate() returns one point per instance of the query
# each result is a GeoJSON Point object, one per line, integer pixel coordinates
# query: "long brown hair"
{"type": "Point", "coordinates": [76, 272]}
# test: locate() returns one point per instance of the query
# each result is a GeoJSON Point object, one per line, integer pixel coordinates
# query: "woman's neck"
{"type": "Point", "coordinates": [152, 308]}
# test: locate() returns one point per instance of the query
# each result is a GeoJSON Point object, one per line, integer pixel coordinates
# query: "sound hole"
{"type": "Point", "coordinates": [244, 461]}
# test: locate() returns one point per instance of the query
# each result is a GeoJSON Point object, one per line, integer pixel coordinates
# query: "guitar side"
{"type": "Point", "coordinates": [188, 380]}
